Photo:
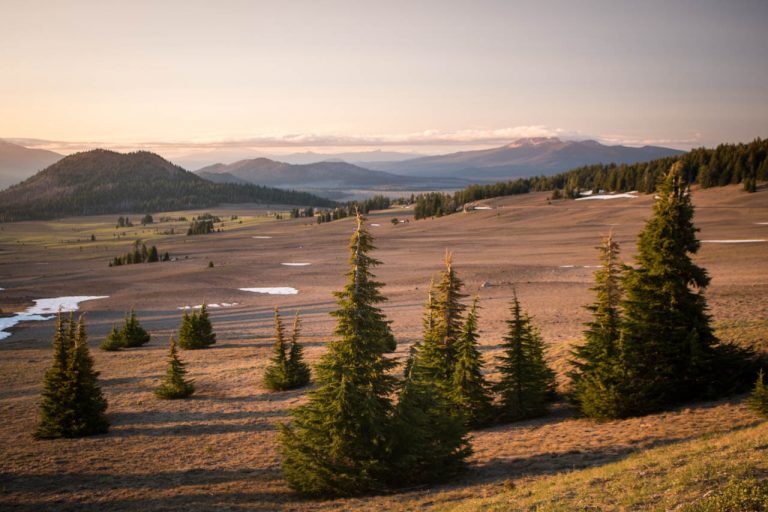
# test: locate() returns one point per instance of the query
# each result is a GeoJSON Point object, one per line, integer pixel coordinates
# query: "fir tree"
{"type": "Point", "coordinates": [186, 333]}
{"type": "Point", "coordinates": [133, 333]}
{"type": "Point", "coordinates": [602, 387]}
{"type": "Point", "coordinates": [196, 331]}
{"type": "Point", "coordinates": [758, 400]}
{"type": "Point", "coordinates": [469, 390]}
{"type": "Point", "coordinates": [114, 341]}
{"type": "Point", "coordinates": [203, 327]}
{"type": "Point", "coordinates": [277, 374]}
{"type": "Point", "coordinates": [447, 317]}
{"type": "Point", "coordinates": [89, 405]}
{"type": "Point", "coordinates": [297, 369]}
{"type": "Point", "coordinates": [527, 382]}
{"type": "Point", "coordinates": [56, 407]}
{"type": "Point", "coordinates": [668, 341]}
{"type": "Point", "coordinates": [338, 442]}
{"type": "Point", "coordinates": [175, 385]}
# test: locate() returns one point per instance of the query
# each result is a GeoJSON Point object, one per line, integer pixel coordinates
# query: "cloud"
{"type": "Point", "coordinates": [687, 142]}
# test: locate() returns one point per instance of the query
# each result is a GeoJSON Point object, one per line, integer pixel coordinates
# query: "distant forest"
{"type": "Point", "coordinates": [725, 165]}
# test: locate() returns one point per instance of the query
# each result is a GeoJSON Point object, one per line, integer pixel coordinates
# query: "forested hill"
{"type": "Point", "coordinates": [726, 164]}
{"type": "Point", "coordinates": [101, 181]}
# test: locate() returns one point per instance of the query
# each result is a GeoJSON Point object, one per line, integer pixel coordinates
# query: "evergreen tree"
{"type": "Point", "coordinates": [153, 256]}
{"type": "Point", "coordinates": [204, 328]}
{"type": "Point", "coordinates": [175, 385]}
{"type": "Point", "coordinates": [72, 404]}
{"type": "Point", "coordinates": [527, 382]}
{"type": "Point", "coordinates": [277, 374]}
{"type": "Point", "coordinates": [338, 442]}
{"type": "Point", "coordinates": [114, 341]}
{"type": "Point", "coordinates": [186, 334]}
{"type": "Point", "coordinates": [602, 387]}
{"type": "Point", "coordinates": [297, 369]}
{"type": "Point", "coordinates": [758, 400]}
{"type": "Point", "coordinates": [196, 331]}
{"type": "Point", "coordinates": [133, 333]}
{"type": "Point", "coordinates": [668, 341]}
{"type": "Point", "coordinates": [469, 390]}
{"type": "Point", "coordinates": [448, 321]}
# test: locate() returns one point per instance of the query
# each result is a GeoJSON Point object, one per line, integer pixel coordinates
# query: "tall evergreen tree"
{"type": "Point", "coordinates": [470, 390]}
{"type": "Point", "coordinates": [175, 385]}
{"type": "Point", "coordinates": [277, 374]}
{"type": "Point", "coordinates": [526, 380]}
{"type": "Point", "coordinates": [72, 405]}
{"type": "Point", "coordinates": [338, 442]}
{"type": "Point", "coordinates": [602, 387]}
{"type": "Point", "coordinates": [133, 333]}
{"type": "Point", "coordinates": [298, 370]}
{"type": "Point", "coordinates": [668, 342]}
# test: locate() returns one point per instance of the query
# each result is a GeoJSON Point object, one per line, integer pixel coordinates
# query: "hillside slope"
{"type": "Point", "coordinates": [18, 163]}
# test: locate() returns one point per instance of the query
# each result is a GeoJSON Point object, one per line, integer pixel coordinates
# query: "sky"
{"type": "Point", "coordinates": [424, 76]}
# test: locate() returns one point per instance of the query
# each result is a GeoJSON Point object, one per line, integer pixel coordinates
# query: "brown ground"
{"type": "Point", "coordinates": [218, 449]}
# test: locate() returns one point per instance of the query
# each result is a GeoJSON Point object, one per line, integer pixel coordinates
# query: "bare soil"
{"type": "Point", "coordinates": [218, 450]}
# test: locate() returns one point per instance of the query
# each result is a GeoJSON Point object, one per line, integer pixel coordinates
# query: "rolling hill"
{"type": "Point", "coordinates": [18, 163]}
{"type": "Point", "coordinates": [522, 158]}
{"type": "Point", "coordinates": [101, 181]}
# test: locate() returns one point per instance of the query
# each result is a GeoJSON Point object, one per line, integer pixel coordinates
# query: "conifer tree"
{"type": "Point", "coordinates": [174, 384]}
{"type": "Point", "coordinates": [186, 334]}
{"type": "Point", "coordinates": [447, 314]}
{"type": "Point", "coordinates": [338, 442]}
{"type": "Point", "coordinates": [297, 369]}
{"type": "Point", "coordinates": [133, 333]}
{"type": "Point", "coordinates": [114, 341]}
{"type": "Point", "coordinates": [758, 400]}
{"type": "Point", "coordinates": [277, 374]}
{"type": "Point", "coordinates": [469, 390]}
{"type": "Point", "coordinates": [72, 405]}
{"type": "Point", "coordinates": [668, 342]}
{"type": "Point", "coordinates": [196, 331]}
{"type": "Point", "coordinates": [602, 387]}
{"type": "Point", "coordinates": [203, 327]}
{"type": "Point", "coordinates": [527, 382]}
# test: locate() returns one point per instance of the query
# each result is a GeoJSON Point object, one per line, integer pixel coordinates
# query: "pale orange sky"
{"type": "Point", "coordinates": [398, 75]}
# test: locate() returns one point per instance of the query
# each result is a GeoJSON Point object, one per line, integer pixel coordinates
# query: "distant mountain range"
{"type": "Point", "coordinates": [18, 163]}
{"type": "Point", "coordinates": [101, 181]}
{"type": "Point", "coordinates": [521, 158]}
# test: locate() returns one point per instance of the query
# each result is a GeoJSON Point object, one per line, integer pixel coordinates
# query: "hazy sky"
{"type": "Point", "coordinates": [410, 74]}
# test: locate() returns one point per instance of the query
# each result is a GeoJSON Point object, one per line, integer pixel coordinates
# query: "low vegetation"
{"type": "Point", "coordinates": [132, 334]}
{"type": "Point", "coordinates": [196, 331]}
{"type": "Point", "coordinates": [175, 385]}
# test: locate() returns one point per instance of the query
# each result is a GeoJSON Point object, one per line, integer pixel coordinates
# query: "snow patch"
{"type": "Point", "coordinates": [214, 305]}
{"type": "Point", "coordinates": [482, 208]}
{"type": "Point", "coordinates": [628, 195]}
{"type": "Point", "coordinates": [45, 307]}
{"type": "Point", "coordinates": [567, 266]}
{"type": "Point", "coordinates": [279, 290]}
{"type": "Point", "coordinates": [296, 264]}
{"type": "Point", "coordinates": [376, 225]}
{"type": "Point", "coordinates": [261, 237]}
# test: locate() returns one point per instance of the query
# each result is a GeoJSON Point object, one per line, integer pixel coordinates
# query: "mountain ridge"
{"type": "Point", "coordinates": [17, 162]}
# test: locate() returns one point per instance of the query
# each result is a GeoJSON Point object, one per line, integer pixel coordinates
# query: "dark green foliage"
{"type": "Point", "coordinates": [100, 181]}
{"type": "Point", "coordinates": [139, 254]}
{"type": "Point", "coordinates": [338, 442]}
{"type": "Point", "coordinates": [601, 383]}
{"type": "Point", "coordinates": [668, 342]}
{"type": "Point", "coordinates": [202, 224]}
{"type": "Point", "coordinates": [113, 342]}
{"type": "Point", "coordinates": [298, 369]}
{"type": "Point", "coordinates": [196, 331]}
{"type": "Point", "coordinates": [748, 495]}
{"type": "Point", "coordinates": [124, 222]}
{"type": "Point", "coordinates": [153, 256]}
{"type": "Point", "coordinates": [72, 404]}
{"type": "Point", "coordinates": [758, 400]}
{"type": "Point", "coordinates": [277, 375]}
{"type": "Point", "coordinates": [175, 385]}
{"type": "Point", "coordinates": [527, 383]}
{"type": "Point", "coordinates": [210, 264]}
{"type": "Point", "coordinates": [372, 203]}
{"type": "Point", "coordinates": [147, 219]}
{"type": "Point", "coordinates": [469, 390]}
{"type": "Point", "coordinates": [133, 333]}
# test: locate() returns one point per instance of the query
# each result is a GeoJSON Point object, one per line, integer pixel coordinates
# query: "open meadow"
{"type": "Point", "coordinates": [218, 450]}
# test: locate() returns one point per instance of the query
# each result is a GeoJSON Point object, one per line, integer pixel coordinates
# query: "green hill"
{"type": "Point", "coordinates": [101, 181]}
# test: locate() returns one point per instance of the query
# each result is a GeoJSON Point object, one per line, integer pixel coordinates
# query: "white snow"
{"type": "Point", "coordinates": [567, 266]}
{"type": "Point", "coordinates": [1, 289]}
{"type": "Point", "coordinates": [482, 208]}
{"type": "Point", "coordinates": [296, 264]}
{"type": "Point", "coordinates": [214, 305]}
{"type": "Point", "coordinates": [758, 223]}
{"type": "Point", "coordinates": [376, 225]}
{"type": "Point", "coordinates": [280, 290]}
{"type": "Point", "coordinates": [261, 237]}
{"type": "Point", "coordinates": [628, 195]}
{"type": "Point", "coordinates": [44, 307]}
{"type": "Point", "coordinates": [747, 241]}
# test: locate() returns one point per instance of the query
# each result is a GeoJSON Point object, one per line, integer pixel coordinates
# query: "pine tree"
{"type": "Point", "coordinates": [602, 387]}
{"type": "Point", "coordinates": [447, 316]}
{"type": "Point", "coordinates": [758, 400]}
{"type": "Point", "coordinates": [297, 369]}
{"type": "Point", "coordinates": [175, 385]}
{"type": "Point", "coordinates": [469, 390]}
{"type": "Point", "coordinates": [133, 333]}
{"type": "Point", "coordinates": [338, 442]}
{"type": "Point", "coordinates": [196, 331]}
{"type": "Point", "coordinates": [668, 341]}
{"type": "Point", "coordinates": [114, 341]}
{"type": "Point", "coordinates": [204, 329]}
{"type": "Point", "coordinates": [527, 382]}
{"type": "Point", "coordinates": [72, 404]}
{"type": "Point", "coordinates": [186, 333]}
{"type": "Point", "coordinates": [277, 374]}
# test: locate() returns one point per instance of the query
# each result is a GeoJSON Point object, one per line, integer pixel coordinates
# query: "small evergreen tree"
{"type": "Point", "coordinates": [469, 390]}
{"type": "Point", "coordinates": [527, 382]}
{"type": "Point", "coordinates": [277, 374]}
{"type": "Point", "coordinates": [90, 405]}
{"type": "Point", "coordinates": [204, 328]}
{"type": "Point", "coordinates": [133, 333]}
{"type": "Point", "coordinates": [114, 341]}
{"type": "Point", "coordinates": [175, 385]}
{"type": "Point", "coordinates": [297, 369]}
{"type": "Point", "coordinates": [758, 400]}
{"type": "Point", "coordinates": [338, 441]}
{"type": "Point", "coordinates": [153, 256]}
{"type": "Point", "coordinates": [56, 407]}
{"type": "Point", "coordinates": [196, 331]}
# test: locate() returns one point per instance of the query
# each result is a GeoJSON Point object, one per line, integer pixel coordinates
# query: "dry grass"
{"type": "Point", "coordinates": [218, 450]}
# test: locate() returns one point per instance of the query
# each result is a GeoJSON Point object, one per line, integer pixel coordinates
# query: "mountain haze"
{"type": "Point", "coordinates": [18, 162]}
